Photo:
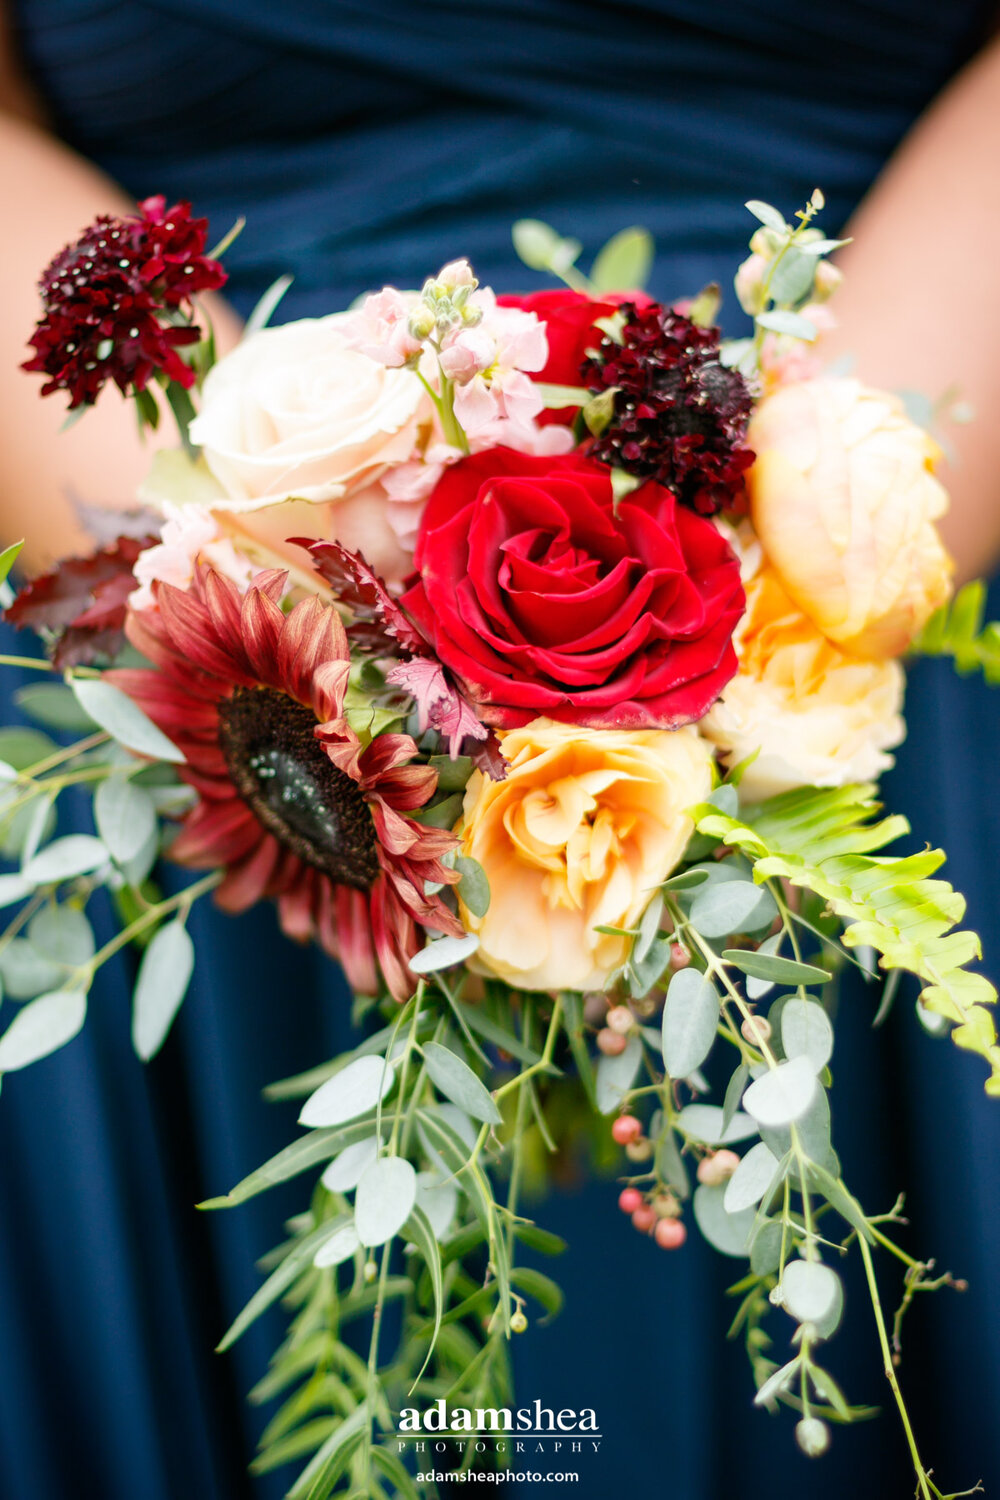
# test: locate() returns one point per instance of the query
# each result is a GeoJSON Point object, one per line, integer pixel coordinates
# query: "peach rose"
{"type": "Point", "coordinates": [295, 412]}
{"type": "Point", "coordinates": [843, 499]}
{"type": "Point", "coordinates": [817, 716]}
{"type": "Point", "coordinates": [586, 825]}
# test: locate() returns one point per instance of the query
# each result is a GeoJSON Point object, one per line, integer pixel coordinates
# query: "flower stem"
{"type": "Point", "coordinates": [182, 901]}
{"type": "Point", "coordinates": [928, 1490]}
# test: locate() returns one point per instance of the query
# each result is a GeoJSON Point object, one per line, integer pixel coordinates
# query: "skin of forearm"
{"type": "Point", "coordinates": [919, 308]}
{"type": "Point", "coordinates": [51, 194]}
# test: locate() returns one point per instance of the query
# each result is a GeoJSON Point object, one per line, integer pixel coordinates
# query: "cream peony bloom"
{"type": "Point", "coordinates": [844, 499]}
{"type": "Point", "coordinates": [294, 412]}
{"type": "Point", "coordinates": [585, 826]}
{"type": "Point", "coordinates": [817, 716]}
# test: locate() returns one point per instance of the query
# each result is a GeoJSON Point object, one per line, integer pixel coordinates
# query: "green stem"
{"type": "Point", "coordinates": [35, 663]}
{"type": "Point", "coordinates": [184, 900]}
{"type": "Point", "coordinates": [928, 1491]}
{"type": "Point", "coordinates": [184, 413]}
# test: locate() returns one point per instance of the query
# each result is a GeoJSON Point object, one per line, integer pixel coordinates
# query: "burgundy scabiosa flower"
{"type": "Point", "coordinates": [116, 303]}
{"type": "Point", "coordinates": [290, 803]}
{"type": "Point", "coordinates": [679, 416]}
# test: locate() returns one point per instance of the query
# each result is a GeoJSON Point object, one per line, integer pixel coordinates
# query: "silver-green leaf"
{"type": "Point", "coordinates": [384, 1200]}
{"type": "Point", "coordinates": [164, 975]}
{"type": "Point", "coordinates": [41, 1027]}
{"type": "Point", "coordinates": [690, 1018]}
{"type": "Point", "coordinates": [456, 1080]}
{"type": "Point", "coordinates": [123, 720]}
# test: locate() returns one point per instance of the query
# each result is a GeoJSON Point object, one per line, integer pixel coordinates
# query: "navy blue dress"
{"type": "Point", "coordinates": [369, 142]}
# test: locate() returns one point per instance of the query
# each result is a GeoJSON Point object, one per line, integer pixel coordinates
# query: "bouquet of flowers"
{"type": "Point", "coordinates": [538, 656]}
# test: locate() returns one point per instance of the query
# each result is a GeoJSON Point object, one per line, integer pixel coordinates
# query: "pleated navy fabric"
{"type": "Point", "coordinates": [369, 143]}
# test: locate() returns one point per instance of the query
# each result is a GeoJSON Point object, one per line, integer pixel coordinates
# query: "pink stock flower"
{"type": "Point", "coordinates": [380, 328]}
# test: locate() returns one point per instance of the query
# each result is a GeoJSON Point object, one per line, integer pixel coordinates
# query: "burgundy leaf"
{"type": "Point", "coordinates": [83, 600]}
{"type": "Point", "coordinates": [357, 585]}
{"type": "Point", "coordinates": [487, 756]}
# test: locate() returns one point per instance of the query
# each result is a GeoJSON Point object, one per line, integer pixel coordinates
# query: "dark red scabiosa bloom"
{"type": "Point", "coordinates": [679, 417]}
{"type": "Point", "coordinates": [111, 298]}
{"type": "Point", "coordinates": [291, 804]}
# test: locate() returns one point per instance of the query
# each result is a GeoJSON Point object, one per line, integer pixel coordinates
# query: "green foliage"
{"type": "Point", "coordinates": [957, 630]}
{"type": "Point", "coordinates": [824, 841]}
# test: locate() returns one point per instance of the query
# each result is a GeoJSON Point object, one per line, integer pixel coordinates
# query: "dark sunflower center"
{"type": "Point", "coordinates": [279, 769]}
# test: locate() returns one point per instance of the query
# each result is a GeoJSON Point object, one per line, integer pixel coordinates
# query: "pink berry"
{"type": "Point", "coordinates": [670, 1233]}
{"type": "Point", "coordinates": [611, 1043]}
{"type": "Point", "coordinates": [644, 1218]}
{"type": "Point", "coordinates": [626, 1129]}
{"type": "Point", "coordinates": [629, 1199]}
{"type": "Point", "coordinates": [680, 957]}
{"type": "Point", "coordinates": [621, 1019]}
{"type": "Point", "coordinates": [717, 1168]}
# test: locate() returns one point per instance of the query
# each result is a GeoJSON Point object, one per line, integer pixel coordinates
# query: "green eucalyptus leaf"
{"type": "Point", "coordinates": [126, 820]}
{"type": "Point", "coordinates": [456, 1080]}
{"type": "Point", "coordinates": [42, 1026]}
{"type": "Point", "coordinates": [616, 1075]}
{"type": "Point", "coordinates": [734, 905]}
{"type": "Point", "coordinates": [353, 1091]}
{"type": "Point", "coordinates": [782, 321]}
{"type": "Point", "coordinates": [444, 953]}
{"type": "Point", "coordinates": [806, 1031]}
{"type": "Point", "coordinates": [704, 1122]}
{"type": "Point", "coordinates": [767, 215]}
{"type": "Point", "coordinates": [726, 1232]}
{"type": "Point", "coordinates": [792, 277]}
{"type": "Point", "coordinates": [764, 965]}
{"type": "Point", "coordinates": [625, 262]}
{"type": "Point", "coordinates": [25, 972]}
{"type": "Point", "coordinates": [809, 1290]}
{"type": "Point", "coordinates": [474, 886]}
{"type": "Point", "coordinates": [340, 1246]}
{"type": "Point", "coordinates": [55, 705]}
{"type": "Point", "coordinates": [690, 1019]}
{"type": "Point", "coordinates": [757, 1171]}
{"type": "Point", "coordinates": [384, 1199]}
{"type": "Point", "coordinates": [164, 976]}
{"type": "Point", "coordinates": [123, 719]}
{"type": "Point", "coordinates": [346, 1170]}
{"type": "Point", "coordinates": [62, 935]}
{"type": "Point", "coordinates": [66, 858]}
{"type": "Point", "coordinates": [783, 1094]}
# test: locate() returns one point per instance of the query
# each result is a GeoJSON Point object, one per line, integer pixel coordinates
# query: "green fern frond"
{"type": "Point", "coordinates": [824, 840]}
{"type": "Point", "coordinates": [957, 630]}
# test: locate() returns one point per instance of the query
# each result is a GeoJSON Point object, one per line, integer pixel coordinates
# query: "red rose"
{"type": "Point", "coordinates": [543, 601]}
{"type": "Point", "coordinates": [569, 326]}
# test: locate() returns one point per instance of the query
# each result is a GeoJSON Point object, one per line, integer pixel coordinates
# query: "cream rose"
{"type": "Point", "coordinates": [817, 716]}
{"type": "Point", "coordinates": [587, 823]}
{"type": "Point", "coordinates": [844, 499]}
{"type": "Point", "coordinates": [295, 412]}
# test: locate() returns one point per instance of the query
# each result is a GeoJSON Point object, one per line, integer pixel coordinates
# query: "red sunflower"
{"type": "Point", "coordinates": [290, 802]}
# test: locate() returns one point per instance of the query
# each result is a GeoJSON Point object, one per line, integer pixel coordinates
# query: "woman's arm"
{"type": "Point", "coordinates": [50, 194]}
{"type": "Point", "coordinates": [920, 304]}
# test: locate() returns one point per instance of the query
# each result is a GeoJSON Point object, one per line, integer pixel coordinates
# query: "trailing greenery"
{"type": "Point", "coordinates": [823, 840]}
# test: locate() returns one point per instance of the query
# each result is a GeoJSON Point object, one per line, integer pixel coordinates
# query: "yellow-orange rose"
{"type": "Point", "coordinates": [585, 826]}
{"type": "Point", "coordinates": [817, 716]}
{"type": "Point", "coordinates": [844, 499]}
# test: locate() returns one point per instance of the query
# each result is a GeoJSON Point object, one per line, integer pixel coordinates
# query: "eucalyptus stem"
{"type": "Point", "coordinates": [34, 663]}
{"type": "Point", "coordinates": [928, 1490]}
{"type": "Point", "coordinates": [182, 901]}
{"type": "Point", "coordinates": [69, 752]}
